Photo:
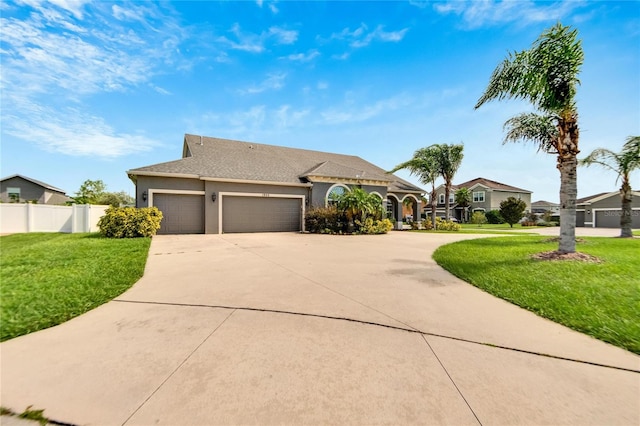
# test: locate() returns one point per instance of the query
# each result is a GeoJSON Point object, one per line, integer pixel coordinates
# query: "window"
{"type": "Point", "coordinates": [441, 199]}
{"type": "Point", "coordinates": [478, 197]}
{"type": "Point", "coordinates": [14, 194]}
{"type": "Point", "coordinates": [452, 198]}
{"type": "Point", "coordinates": [334, 193]}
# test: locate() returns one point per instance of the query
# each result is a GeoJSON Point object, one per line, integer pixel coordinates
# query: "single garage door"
{"type": "Point", "coordinates": [261, 214]}
{"type": "Point", "coordinates": [181, 214]}
{"type": "Point", "coordinates": [611, 218]}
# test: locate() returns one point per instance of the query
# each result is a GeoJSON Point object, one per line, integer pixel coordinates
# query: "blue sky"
{"type": "Point", "coordinates": [92, 89]}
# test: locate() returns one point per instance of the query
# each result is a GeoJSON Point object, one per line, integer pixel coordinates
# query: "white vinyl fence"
{"type": "Point", "coordinates": [18, 218]}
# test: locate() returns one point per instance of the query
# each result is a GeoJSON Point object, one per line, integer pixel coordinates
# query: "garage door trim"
{"type": "Point", "coordinates": [256, 195]}
{"type": "Point", "coordinates": [171, 191]}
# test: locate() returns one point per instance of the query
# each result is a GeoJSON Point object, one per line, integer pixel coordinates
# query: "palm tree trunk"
{"type": "Point", "coordinates": [625, 219]}
{"type": "Point", "coordinates": [567, 165]}
{"type": "Point", "coordinates": [434, 203]}
{"type": "Point", "coordinates": [447, 191]}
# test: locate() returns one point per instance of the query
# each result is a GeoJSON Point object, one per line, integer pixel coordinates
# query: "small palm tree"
{"type": "Point", "coordinates": [463, 199]}
{"type": "Point", "coordinates": [623, 164]}
{"type": "Point", "coordinates": [424, 165]}
{"type": "Point", "coordinates": [357, 204]}
{"type": "Point", "coordinates": [449, 160]}
{"type": "Point", "coordinates": [547, 76]}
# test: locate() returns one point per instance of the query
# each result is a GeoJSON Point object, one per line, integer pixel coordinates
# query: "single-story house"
{"type": "Point", "coordinates": [22, 189]}
{"type": "Point", "coordinates": [486, 195]}
{"type": "Point", "coordinates": [604, 210]}
{"type": "Point", "coordinates": [222, 185]}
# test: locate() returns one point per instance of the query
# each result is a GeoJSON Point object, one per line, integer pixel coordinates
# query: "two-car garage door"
{"type": "Point", "coordinates": [261, 214]}
{"type": "Point", "coordinates": [185, 213]}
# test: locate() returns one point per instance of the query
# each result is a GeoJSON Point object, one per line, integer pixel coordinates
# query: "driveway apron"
{"type": "Point", "coordinates": [314, 329]}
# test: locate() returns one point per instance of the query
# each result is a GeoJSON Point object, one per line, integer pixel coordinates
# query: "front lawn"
{"type": "Point", "coordinates": [599, 299]}
{"type": "Point", "coordinates": [47, 279]}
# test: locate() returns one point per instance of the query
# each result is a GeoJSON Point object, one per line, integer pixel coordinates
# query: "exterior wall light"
{"type": "Point", "coordinates": [144, 195]}
{"type": "Point", "coordinates": [213, 197]}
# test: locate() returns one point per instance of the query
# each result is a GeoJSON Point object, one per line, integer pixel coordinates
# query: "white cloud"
{"type": "Point", "coordinates": [272, 82]}
{"type": "Point", "coordinates": [255, 43]}
{"type": "Point", "coordinates": [361, 36]}
{"type": "Point", "coordinates": [480, 13]}
{"type": "Point", "coordinates": [351, 112]}
{"type": "Point", "coordinates": [303, 57]}
{"type": "Point", "coordinates": [65, 51]}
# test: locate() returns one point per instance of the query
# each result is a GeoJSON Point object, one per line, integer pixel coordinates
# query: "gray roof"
{"type": "Point", "coordinates": [215, 158]}
{"type": "Point", "coordinates": [37, 182]}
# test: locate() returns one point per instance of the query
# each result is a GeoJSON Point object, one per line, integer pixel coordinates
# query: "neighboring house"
{"type": "Point", "coordinates": [603, 210]}
{"type": "Point", "coordinates": [221, 185]}
{"type": "Point", "coordinates": [485, 194]}
{"type": "Point", "coordinates": [21, 189]}
{"type": "Point", "coordinates": [545, 206]}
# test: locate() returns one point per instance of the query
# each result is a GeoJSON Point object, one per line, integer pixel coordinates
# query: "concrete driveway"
{"type": "Point", "coordinates": [314, 329]}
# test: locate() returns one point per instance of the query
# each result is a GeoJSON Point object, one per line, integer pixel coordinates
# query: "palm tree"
{"type": "Point", "coordinates": [449, 160]}
{"type": "Point", "coordinates": [424, 165]}
{"type": "Point", "coordinates": [547, 76]}
{"type": "Point", "coordinates": [623, 164]}
{"type": "Point", "coordinates": [463, 199]}
{"type": "Point", "coordinates": [357, 204]}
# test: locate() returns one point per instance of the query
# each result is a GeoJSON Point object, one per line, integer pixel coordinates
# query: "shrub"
{"type": "Point", "coordinates": [324, 220]}
{"type": "Point", "coordinates": [426, 224]}
{"type": "Point", "coordinates": [528, 223]}
{"type": "Point", "coordinates": [130, 222]}
{"type": "Point", "coordinates": [493, 217]}
{"type": "Point", "coordinates": [447, 225]}
{"type": "Point", "coordinates": [478, 218]}
{"type": "Point", "coordinates": [371, 226]}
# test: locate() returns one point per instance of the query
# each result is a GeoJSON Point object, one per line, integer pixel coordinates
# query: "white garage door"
{"type": "Point", "coordinates": [261, 214]}
{"type": "Point", "coordinates": [181, 214]}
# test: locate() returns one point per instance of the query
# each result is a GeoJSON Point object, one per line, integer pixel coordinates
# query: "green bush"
{"type": "Point", "coordinates": [447, 225]}
{"type": "Point", "coordinates": [325, 220]}
{"type": "Point", "coordinates": [478, 218]}
{"type": "Point", "coordinates": [426, 224]}
{"type": "Point", "coordinates": [130, 222]}
{"type": "Point", "coordinates": [493, 217]}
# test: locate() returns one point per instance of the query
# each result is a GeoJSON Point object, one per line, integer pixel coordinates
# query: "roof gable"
{"type": "Point", "coordinates": [490, 184]}
{"type": "Point", "coordinates": [602, 196]}
{"type": "Point", "coordinates": [37, 182]}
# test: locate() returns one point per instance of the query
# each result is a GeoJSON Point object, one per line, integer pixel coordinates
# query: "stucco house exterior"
{"type": "Point", "coordinates": [542, 206]}
{"type": "Point", "coordinates": [222, 185]}
{"type": "Point", "coordinates": [20, 189]}
{"type": "Point", "coordinates": [486, 195]}
{"type": "Point", "coordinates": [603, 210]}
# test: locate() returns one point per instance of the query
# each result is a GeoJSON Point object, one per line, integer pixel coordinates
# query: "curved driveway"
{"type": "Point", "coordinates": [314, 329]}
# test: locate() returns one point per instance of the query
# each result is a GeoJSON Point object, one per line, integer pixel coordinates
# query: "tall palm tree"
{"type": "Point", "coordinates": [623, 164]}
{"type": "Point", "coordinates": [449, 161]}
{"type": "Point", "coordinates": [547, 76]}
{"type": "Point", "coordinates": [424, 165]}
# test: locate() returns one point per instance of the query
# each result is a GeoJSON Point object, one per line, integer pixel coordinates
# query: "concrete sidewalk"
{"type": "Point", "coordinates": [312, 329]}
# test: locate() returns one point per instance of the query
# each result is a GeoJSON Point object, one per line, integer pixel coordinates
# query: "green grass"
{"type": "Point", "coordinates": [599, 299]}
{"type": "Point", "coordinates": [47, 279]}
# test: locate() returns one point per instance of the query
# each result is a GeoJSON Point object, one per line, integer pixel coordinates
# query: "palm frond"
{"type": "Point", "coordinates": [531, 127]}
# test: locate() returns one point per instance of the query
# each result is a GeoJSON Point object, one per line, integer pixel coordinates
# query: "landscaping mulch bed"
{"type": "Point", "coordinates": [556, 255]}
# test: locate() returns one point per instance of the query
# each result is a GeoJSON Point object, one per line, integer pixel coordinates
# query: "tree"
{"type": "Point", "coordinates": [622, 164]}
{"type": "Point", "coordinates": [90, 192]}
{"type": "Point", "coordinates": [449, 159]}
{"type": "Point", "coordinates": [547, 76]}
{"type": "Point", "coordinates": [512, 210]}
{"type": "Point", "coordinates": [424, 165]}
{"type": "Point", "coordinates": [463, 199]}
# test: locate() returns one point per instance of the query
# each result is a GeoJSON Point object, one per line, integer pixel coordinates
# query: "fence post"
{"type": "Point", "coordinates": [30, 217]}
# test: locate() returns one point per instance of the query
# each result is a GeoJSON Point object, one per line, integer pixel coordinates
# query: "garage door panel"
{"type": "Point", "coordinates": [261, 214]}
{"type": "Point", "coordinates": [611, 218]}
{"type": "Point", "coordinates": [181, 213]}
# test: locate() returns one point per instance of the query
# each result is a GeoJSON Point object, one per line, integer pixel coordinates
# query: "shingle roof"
{"type": "Point", "coordinates": [37, 182]}
{"type": "Point", "coordinates": [543, 203]}
{"type": "Point", "coordinates": [490, 184]}
{"type": "Point", "coordinates": [591, 197]}
{"type": "Point", "coordinates": [216, 158]}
